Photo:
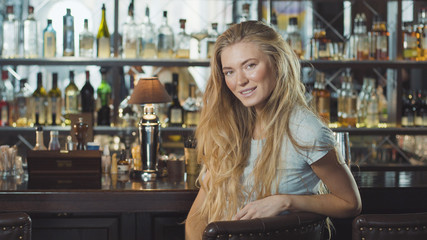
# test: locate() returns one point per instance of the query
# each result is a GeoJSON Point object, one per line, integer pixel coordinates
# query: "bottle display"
{"type": "Point", "coordinates": [11, 35]}
{"type": "Point", "coordinates": [54, 141]}
{"type": "Point", "coordinates": [87, 96]}
{"type": "Point", "coordinates": [68, 34]}
{"type": "Point", "coordinates": [321, 97]}
{"type": "Point", "coordinates": [40, 101]}
{"type": "Point", "coordinates": [39, 140]}
{"type": "Point", "coordinates": [49, 40]}
{"type": "Point", "coordinates": [165, 39]}
{"type": "Point", "coordinates": [175, 111]}
{"type": "Point", "coordinates": [147, 38]}
{"type": "Point", "coordinates": [191, 108]}
{"type": "Point", "coordinates": [104, 98]}
{"type": "Point", "coordinates": [54, 102]}
{"type": "Point", "coordinates": [86, 41]}
{"type": "Point", "coordinates": [294, 37]}
{"type": "Point", "coordinates": [381, 40]}
{"type": "Point", "coordinates": [71, 98]}
{"type": "Point", "coordinates": [130, 35]}
{"type": "Point", "coordinates": [103, 37]}
{"type": "Point", "coordinates": [30, 35]}
{"type": "Point", "coordinates": [182, 47]}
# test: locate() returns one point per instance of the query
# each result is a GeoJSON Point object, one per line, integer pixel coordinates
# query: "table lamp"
{"type": "Point", "coordinates": [148, 91]}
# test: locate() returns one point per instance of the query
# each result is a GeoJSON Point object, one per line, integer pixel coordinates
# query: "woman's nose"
{"type": "Point", "coordinates": [242, 80]}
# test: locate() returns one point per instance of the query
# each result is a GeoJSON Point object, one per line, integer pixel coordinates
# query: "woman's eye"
{"type": "Point", "coordinates": [228, 73]}
{"type": "Point", "coordinates": [250, 66]}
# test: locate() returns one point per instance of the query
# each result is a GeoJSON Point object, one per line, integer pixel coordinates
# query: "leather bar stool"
{"type": "Point", "coordinates": [15, 226]}
{"type": "Point", "coordinates": [411, 226]}
{"type": "Point", "coordinates": [290, 226]}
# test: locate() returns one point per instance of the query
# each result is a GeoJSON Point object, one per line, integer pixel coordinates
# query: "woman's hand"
{"type": "Point", "coordinates": [266, 207]}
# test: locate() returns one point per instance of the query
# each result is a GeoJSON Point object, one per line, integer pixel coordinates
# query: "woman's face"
{"type": "Point", "coordinates": [248, 73]}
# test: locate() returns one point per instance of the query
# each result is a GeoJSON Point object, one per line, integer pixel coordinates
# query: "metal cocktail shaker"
{"type": "Point", "coordinates": [149, 141]}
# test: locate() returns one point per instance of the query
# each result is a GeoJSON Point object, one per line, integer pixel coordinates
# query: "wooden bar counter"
{"type": "Point", "coordinates": [113, 207]}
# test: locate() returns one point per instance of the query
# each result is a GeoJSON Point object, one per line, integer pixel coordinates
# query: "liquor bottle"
{"type": "Point", "coordinates": [39, 140]}
{"type": "Point", "coordinates": [322, 97]}
{"type": "Point", "coordinates": [86, 41]}
{"type": "Point", "coordinates": [87, 96]}
{"type": "Point", "coordinates": [10, 35]}
{"type": "Point", "coordinates": [130, 34]}
{"type": "Point", "coordinates": [372, 112]}
{"type": "Point", "coordinates": [382, 105]}
{"type": "Point", "coordinates": [182, 46]}
{"type": "Point", "coordinates": [362, 43]}
{"type": "Point", "coordinates": [68, 34]}
{"type": "Point", "coordinates": [123, 164]}
{"type": "Point", "coordinates": [320, 44]}
{"type": "Point", "coordinates": [128, 112]}
{"type": "Point", "coordinates": [8, 96]}
{"type": "Point", "coordinates": [4, 106]}
{"type": "Point", "coordinates": [211, 39]}
{"type": "Point", "coordinates": [408, 116]}
{"type": "Point", "coordinates": [191, 108]}
{"type": "Point", "coordinates": [39, 98]}
{"type": "Point", "coordinates": [175, 111]}
{"type": "Point", "coordinates": [147, 39]}
{"type": "Point", "coordinates": [373, 36]}
{"type": "Point", "coordinates": [419, 112]}
{"type": "Point", "coordinates": [54, 102]}
{"type": "Point", "coordinates": [422, 18]}
{"type": "Point", "coordinates": [294, 37]}
{"type": "Point", "coordinates": [103, 37]}
{"type": "Point", "coordinates": [71, 99]}
{"type": "Point", "coordinates": [22, 104]}
{"type": "Point", "coordinates": [165, 39]}
{"type": "Point", "coordinates": [409, 42]}
{"type": "Point", "coordinates": [49, 40]}
{"type": "Point", "coordinates": [381, 48]}
{"type": "Point", "coordinates": [54, 141]}
{"type": "Point", "coordinates": [245, 16]}
{"type": "Point", "coordinates": [30, 35]}
{"type": "Point", "coordinates": [104, 96]}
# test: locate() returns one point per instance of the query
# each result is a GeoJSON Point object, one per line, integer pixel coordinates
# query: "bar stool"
{"type": "Point", "coordinates": [290, 226]}
{"type": "Point", "coordinates": [390, 226]}
{"type": "Point", "coordinates": [15, 225]}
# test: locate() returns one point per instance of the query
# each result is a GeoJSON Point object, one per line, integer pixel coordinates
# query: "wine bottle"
{"type": "Point", "coordinates": [54, 102]}
{"type": "Point", "coordinates": [103, 37]}
{"type": "Point", "coordinates": [39, 97]}
{"type": "Point", "coordinates": [30, 35]}
{"type": "Point", "coordinates": [22, 103]}
{"type": "Point", "coordinates": [49, 40]}
{"type": "Point", "coordinates": [68, 34]}
{"type": "Point", "coordinates": [175, 111]}
{"type": "Point", "coordinates": [87, 96]}
{"type": "Point", "coordinates": [104, 96]}
{"type": "Point", "coordinates": [71, 99]}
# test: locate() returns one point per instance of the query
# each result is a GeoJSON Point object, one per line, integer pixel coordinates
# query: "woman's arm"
{"type": "Point", "coordinates": [342, 201]}
{"type": "Point", "coordinates": [194, 225]}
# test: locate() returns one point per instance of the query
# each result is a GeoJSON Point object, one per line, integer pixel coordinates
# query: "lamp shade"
{"type": "Point", "coordinates": [149, 90]}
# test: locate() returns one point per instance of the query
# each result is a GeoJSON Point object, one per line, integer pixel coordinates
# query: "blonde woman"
{"type": "Point", "coordinates": [264, 152]}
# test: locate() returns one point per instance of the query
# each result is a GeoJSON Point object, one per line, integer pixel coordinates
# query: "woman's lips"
{"type": "Point", "coordinates": [247, 92]}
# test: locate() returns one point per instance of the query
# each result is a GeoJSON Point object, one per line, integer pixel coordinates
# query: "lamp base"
{"type": "Point", "coordinates": [149, 176]}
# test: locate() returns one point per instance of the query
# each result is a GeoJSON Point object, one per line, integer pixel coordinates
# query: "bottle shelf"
{"type": "Point", "coordinates": [128, 130]}
{"type": "Point", "coordinates": [115, 62]}
{"type": "Point", "coordinates": [107, 62]}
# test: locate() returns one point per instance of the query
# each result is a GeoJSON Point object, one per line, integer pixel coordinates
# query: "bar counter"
{"type": "Point", "coordinates": [125, 198]}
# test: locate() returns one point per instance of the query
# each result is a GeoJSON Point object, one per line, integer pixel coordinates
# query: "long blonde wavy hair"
{"type": "Point", "coordinates": [226, 126]}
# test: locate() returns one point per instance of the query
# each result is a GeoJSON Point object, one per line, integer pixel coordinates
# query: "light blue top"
{"type": "Point", "coordinates": [294, 171]}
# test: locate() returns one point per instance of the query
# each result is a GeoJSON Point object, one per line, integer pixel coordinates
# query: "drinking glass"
{"type": "Point", "coordinates": [343, 147]}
